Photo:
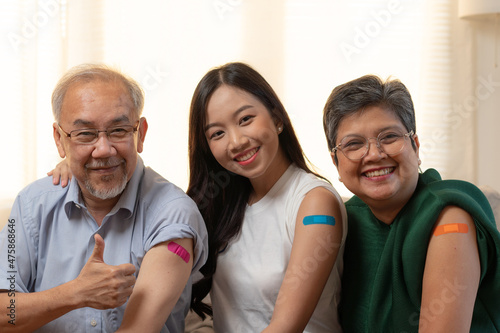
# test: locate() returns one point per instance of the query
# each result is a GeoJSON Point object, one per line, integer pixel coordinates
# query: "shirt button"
{"type": "Point", "coordinates": [93, 323]}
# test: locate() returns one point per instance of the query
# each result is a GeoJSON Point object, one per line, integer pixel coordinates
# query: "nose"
{"type": "Point", "coordinates": [237, 140]}
{"type": "Point", "coordinates": [103, 147]}
{"type": "Point", "coordinates": [374, 151]}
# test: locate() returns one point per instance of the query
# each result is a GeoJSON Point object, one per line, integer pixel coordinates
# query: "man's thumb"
{"type": "Point", "coordinates": [98, 253]}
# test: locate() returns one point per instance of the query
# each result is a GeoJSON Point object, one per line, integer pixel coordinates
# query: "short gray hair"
{"type": "Point", "coordinates": [368, 90]}
{"type": "Point", "coordinates": [95, 72]}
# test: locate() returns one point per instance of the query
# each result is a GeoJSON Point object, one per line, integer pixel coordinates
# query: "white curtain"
{"type": "Point", "coordinates": [303, 47]}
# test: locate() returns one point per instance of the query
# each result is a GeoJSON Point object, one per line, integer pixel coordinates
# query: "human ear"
{"type": "Point", "coordinates": [334, 159]}
{"type": "Point", "coordinates": [143, 128]}
{"type": "Point", "coordinates": [417, 144]}
{"type": "Point", "coordinates": [58, 141]}
{"type": "Point", "coordinates": [279, 126]}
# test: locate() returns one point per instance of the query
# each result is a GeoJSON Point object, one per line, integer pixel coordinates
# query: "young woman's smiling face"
{"type": "Point", "coordinates": [242, 135]}
{"type": "Point", "coordinates": [378, 179]}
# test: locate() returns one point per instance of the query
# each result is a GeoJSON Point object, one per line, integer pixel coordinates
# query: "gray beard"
{"type": "Point", "coordinates": [107, 193]}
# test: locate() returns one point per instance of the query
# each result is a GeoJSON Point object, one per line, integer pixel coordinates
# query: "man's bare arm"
{"type": "Point", "coordinates": [164, 273]}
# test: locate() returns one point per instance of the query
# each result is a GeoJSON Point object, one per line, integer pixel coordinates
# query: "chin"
{"type": "Point", "coordinates": [378, 194]}
{"type": "Point", "coordinates": [107, 191]}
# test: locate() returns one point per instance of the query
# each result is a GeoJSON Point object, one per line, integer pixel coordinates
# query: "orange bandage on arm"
{"type": "Point", "coordinates": [450, 228]}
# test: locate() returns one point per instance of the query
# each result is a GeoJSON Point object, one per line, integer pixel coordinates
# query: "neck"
{"type": "Point", "coordinates": [386, 211]}
{"type": "Point", "coordinates": [99, 208]}
{"type": "Point", "coordinates": [264, 183]}
{"type": "Point", "coordinates": [386, 216]}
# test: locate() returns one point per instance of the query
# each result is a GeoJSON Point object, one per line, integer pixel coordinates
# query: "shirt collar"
{"type": "Point", "coordinates": [127, 198]}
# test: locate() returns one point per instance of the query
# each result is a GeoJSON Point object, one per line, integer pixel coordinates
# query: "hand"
{"type": "Point", "coordinates": [102, 286]}
{"type": "Point", "coordinates": [61, 172]}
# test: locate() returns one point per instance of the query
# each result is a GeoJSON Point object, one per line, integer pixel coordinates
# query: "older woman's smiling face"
{"type": "Point", "coordinates": [380, 180]}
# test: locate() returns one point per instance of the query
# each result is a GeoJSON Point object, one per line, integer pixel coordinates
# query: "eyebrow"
{"type": "Point", "coordinates": [235, 114]}
{"type": "Point", "coordinates": [121, 119]}
{"type": "Point", "coordinates": [383, 129]}
{"type": "Point", "coordinates": [390, 128]}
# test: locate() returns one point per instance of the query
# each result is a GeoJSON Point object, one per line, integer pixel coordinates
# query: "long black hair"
{"type": "Point", "coordinates": [221, 195]}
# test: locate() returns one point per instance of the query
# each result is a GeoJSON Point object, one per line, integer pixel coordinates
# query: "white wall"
{"type": "Point", "coordinates": [488, 103]}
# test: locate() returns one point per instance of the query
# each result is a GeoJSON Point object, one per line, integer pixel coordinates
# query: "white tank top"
{"type": "Point", "coordinates": [251, 269]}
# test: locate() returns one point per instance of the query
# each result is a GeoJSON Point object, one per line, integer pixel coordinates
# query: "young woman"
{"type": "Point", "coordinates": [423, 254]}
{"type": "Point", "coordinates": [276, 229]}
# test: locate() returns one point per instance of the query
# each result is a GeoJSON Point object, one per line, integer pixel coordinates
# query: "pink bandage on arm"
{"type": "Point", "coordinates": [179, 250]}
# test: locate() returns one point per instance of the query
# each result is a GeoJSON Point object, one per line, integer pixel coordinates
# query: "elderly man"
{"type": "Point", "coordinates": [114, 250]}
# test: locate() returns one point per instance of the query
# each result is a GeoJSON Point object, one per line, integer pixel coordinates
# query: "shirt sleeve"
{"type": "Point", "coordinates": [179, 218]}
{"type": "Point", "coordinates": [18, 252]}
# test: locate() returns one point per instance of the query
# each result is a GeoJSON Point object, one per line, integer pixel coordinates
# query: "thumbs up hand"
{"type": "Point", "coordinates": [102, 286]}
{"type": "Point", "coordinates": [98, 252]}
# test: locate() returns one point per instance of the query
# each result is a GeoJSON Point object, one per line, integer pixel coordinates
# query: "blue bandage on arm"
{"type": "Point", "coordinates": [319, 219]}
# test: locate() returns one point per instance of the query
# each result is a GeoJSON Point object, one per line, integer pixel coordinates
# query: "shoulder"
{"type": "Point", "coordinates": [39, 202]}
{"type": "Point", "coordinates": [452, 192]}
{"type": "Point", "coordinates": [309, 184]}
{"type": "Point", "coordinates": [164, 204]}
{"type": "Point", "coordinates": [43, 190]}
{"type": "Point", "coordinates": [169, 213]}
{"type": "Point", "coordinates": [431, 181]}
{"type": "Point", "coordinates": [320, 196]}
{"type": "Point", "coordinates": [453, 219]}
{"type": "Point", "coordinates": [306, 189]}
{"type": "Point", "coordinates": [320, 201]}
{"type": "Point", "coordinates": [157, 191]}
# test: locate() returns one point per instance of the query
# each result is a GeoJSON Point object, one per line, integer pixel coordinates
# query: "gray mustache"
{"type": "Point", "coordinates": [105, 163]}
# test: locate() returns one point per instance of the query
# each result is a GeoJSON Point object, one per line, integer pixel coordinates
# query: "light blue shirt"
{"type": "Point", "coordinates": [54, 236]}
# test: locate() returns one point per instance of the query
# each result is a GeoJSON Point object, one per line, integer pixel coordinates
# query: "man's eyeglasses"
{"type": "Point", "coordinates": [115, 134]}
{"type": "Point", "coordinates": [355, 147]}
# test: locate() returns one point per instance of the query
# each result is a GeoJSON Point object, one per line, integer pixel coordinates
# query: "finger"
{"type": "Point", "coordinates": [129, 281]}
{"type": "Point", "coordinates": [124, 297]}
{"type": "Point", "coordinates": [98, 252]}
{"type": "Point", "coordinates": [128, 291]}
{"type": "Point", "coordinates": [126, 269]}
{"type": "Point", "coordinates": [66, 175]}
{"type": "Point", "coordinates": [55, 176]}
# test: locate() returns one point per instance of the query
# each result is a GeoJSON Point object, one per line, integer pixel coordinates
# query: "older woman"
{"type": "Point", "coordinates": [422, 254]}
